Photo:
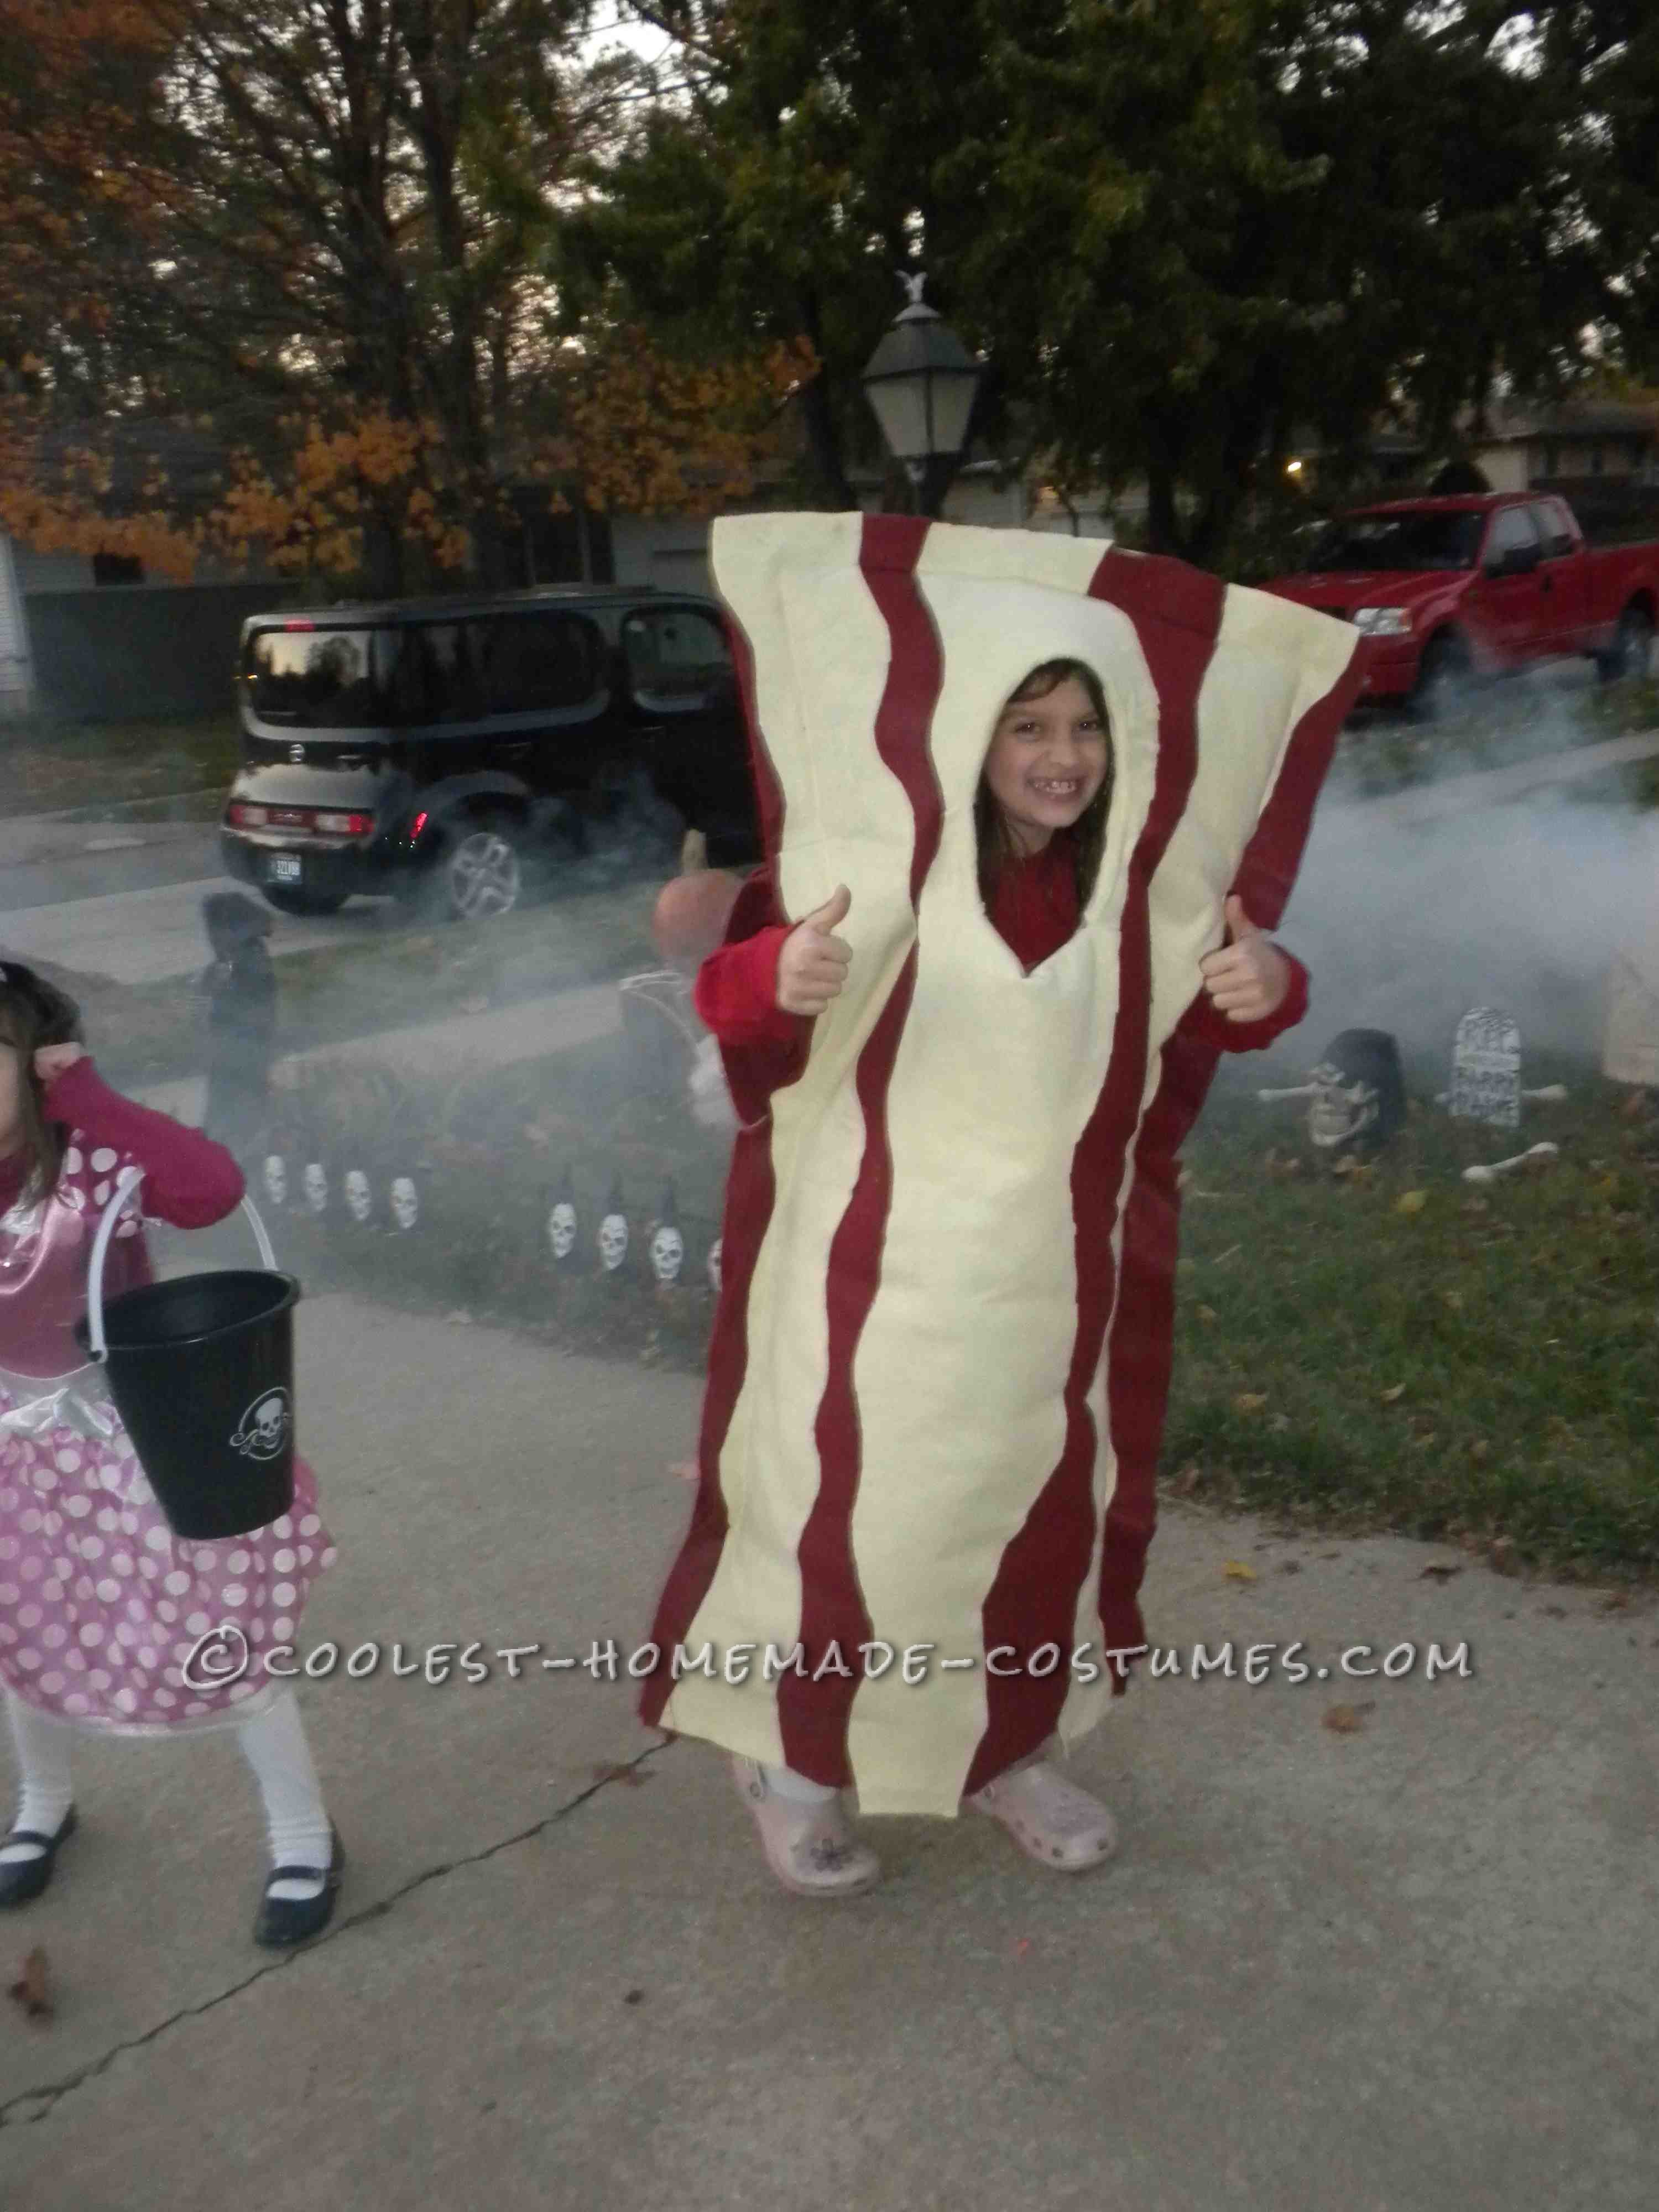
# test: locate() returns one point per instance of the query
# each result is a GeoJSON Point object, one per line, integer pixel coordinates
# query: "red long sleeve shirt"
{"type": "Point", "coordinates": [189, 1180]}
{"type": "Point", "coordinates": [1034, 910]}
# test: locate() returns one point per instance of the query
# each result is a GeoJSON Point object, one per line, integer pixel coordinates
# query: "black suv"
{"type": "Point", "coordinates": [469, 751]}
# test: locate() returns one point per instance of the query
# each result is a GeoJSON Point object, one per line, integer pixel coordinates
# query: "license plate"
{"type": "Point", "coordinates": [282, 868]}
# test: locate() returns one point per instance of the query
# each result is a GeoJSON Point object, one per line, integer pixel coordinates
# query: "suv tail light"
{"type": "Point", "coordinates": [311, 821]}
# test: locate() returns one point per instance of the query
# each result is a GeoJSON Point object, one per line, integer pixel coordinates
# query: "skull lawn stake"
{"type": "Point", "coordinates": [316, 1187]}
{"type": "Point", "coordinates": [1486, 1081]}
{"type": "Point", "coordinates": [1359, 1094]}
{"type": "Point", "coordinates": [562, 1223]}
{"type": "Point", "coordinates": [276, 1178]}
{"type": "Point", "coordinates": [359, 1198]}
{"type": "Point", "coordinates": [667, 1246]}
{"type": "Point", "coordinates": [613, 1231]}
{"type": "Point", "coordinates": [405, 1202]}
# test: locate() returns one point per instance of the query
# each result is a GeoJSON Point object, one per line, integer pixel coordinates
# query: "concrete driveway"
{"type": "Point", "coordinates": [1409, 1967]}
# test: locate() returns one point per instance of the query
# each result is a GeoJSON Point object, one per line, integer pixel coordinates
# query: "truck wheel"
{"type": "Point", "coordinates": [1631, 651]}
{"type": "Point", "coordinates": [1442, 681]}
{"type": "Point", "coordinates": [303, 902]}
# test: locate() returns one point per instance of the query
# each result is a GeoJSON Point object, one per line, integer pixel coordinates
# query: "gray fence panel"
{"type": "Point", "coordinates": [131, 654]}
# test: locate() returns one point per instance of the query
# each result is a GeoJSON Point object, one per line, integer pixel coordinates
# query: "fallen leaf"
{"type": "Point", "coordinates": [684, 1470]}
{"type": "Point", "coordinates": [1500, 1554]}
{"type": "Point", "coordinates": [30, 1990]}
{"type": "Point", "coordinates": [1344, 1720]}
{"type": "Point", "coordinates": [1205, 1313]}
{"type": "Point", "coordinates": [1022, 1946]}
{"type": "Point", "coordinates": [631, 1777]}
{"type": "Point", "coordinates": [1290, 1566]}
{"type": "Point", "coordinates": [1250, 1401]}
{"type": "Point", "coordinates": [1235, 1571]}
{"type": "Point", "coordinates": [1453, 1299]}
{"type": "Point", "coordinates": [1479, 1449]}
{"type": "Point", "coordinates": [1556, 1611]}
{"type": "Point", "coordinates": [460, 1318]}
{"type": "Point", "coordinates": [1187, 1481]}
{"type": "Point", "coordinates": [1441, 1571]}
{"type": "Point", "coordinates": [1616, 1603]}
{"type": "Point", "coordinates": [634, 1996]}
{"type": "Point", "coordinates": [1411, 1201]}
{"type": "Point", "coordinates": [1396, 1390]}
{"type": "Point", "coordinates": [1279, 1423]}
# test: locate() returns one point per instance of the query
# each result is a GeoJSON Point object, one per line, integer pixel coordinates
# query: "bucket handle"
{"type": "Point", "coordinates": [126, 1183]}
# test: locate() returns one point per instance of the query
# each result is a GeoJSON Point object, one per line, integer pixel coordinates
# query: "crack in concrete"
{"type": "Point", "coordinates": [50, 2095]}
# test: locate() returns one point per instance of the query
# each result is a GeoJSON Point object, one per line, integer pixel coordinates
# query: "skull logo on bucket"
{"type": "Point", "coordinates": [264, 1429]}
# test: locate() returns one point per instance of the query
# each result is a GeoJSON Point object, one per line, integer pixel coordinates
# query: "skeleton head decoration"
{"type": "Point", "coordinates": [713, 1264]}
{"type": "Point", "coordinates": [276, 1178]}
{"type": "Point", "coordinates": [1359, 1096]}
{"type": "Point", "coordinates": [264, 1429]}
{"type": "Point", "coordinates": [405, 1202]}
{"type": "Point", "coordinates": [667, 1246]}
{"type": "Point", "coordinates": [359, 1198]}
{"type": "Point", "coordinates": [561, 1225]}
{"type": "Point", "coordinates": [316, 1187]}
{"type": "Point", "coordinates": [613, 1231]}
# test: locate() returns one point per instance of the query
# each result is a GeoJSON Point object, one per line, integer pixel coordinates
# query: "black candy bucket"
{"type": "Point", "coordinates": [202, 1373]}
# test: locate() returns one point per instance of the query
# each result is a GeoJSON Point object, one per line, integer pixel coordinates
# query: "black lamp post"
{"type": "Point", "coordinates": [920, 381]}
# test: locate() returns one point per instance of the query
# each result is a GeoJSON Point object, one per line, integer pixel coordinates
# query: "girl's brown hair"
{"type": "Point", "coordinates": [33, 1013]}
{"type": "Point", "coordinates": [996, 848]}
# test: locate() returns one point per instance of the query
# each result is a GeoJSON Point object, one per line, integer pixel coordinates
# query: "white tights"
{"type": "Point", "coordinates": [273, 1743]}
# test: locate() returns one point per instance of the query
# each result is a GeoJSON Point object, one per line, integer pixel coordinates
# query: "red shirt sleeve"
{"type": "Point", "coordinates": [1252, 1036]}
{"type": "Point", "coordinates": [189, 1180]}
{"type": "Point", "coordinates": [736, 994]}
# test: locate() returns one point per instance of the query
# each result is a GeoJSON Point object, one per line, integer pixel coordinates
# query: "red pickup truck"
{"type": "Point", "coordinates": [1475, 585]}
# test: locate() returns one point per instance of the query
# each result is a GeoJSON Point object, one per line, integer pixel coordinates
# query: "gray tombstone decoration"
{"type": "Point", "coordinates": [1486, 1075]}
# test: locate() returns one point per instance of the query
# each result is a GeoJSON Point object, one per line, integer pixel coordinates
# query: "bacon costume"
{"type": "Point", "coordinates": [941, 1356]}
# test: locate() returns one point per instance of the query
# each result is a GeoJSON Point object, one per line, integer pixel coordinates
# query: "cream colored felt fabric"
{"type": "Point", "coordinates": [960, 1365]}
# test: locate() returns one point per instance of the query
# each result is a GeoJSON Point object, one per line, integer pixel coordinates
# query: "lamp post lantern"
{"type": "Point", "coordinates": [920, 382]}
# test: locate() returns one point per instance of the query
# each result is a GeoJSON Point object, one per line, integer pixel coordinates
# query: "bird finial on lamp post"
{"type": "Point", "coordinates": [912, 284]}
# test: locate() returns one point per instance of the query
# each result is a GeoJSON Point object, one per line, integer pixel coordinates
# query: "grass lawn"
{"type": "Point", "coordinates": [46, 768]}
{"type": "Point", "coordinates": [1391, 1349]}
{"type": "Point", "coordinates": [1397, 1349]}
{"type": "Point", "coordinates": [1502, 725]}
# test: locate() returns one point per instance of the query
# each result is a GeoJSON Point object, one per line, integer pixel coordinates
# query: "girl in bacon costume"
{"type": "Point", "coordinates": [1029, 809]}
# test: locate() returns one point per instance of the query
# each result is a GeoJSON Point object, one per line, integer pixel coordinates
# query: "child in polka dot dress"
{"type": "Point", "coordinates": [108, 1621]}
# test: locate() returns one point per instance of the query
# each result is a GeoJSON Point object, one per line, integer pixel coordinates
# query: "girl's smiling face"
{"type": "Point", "coordinates": [1047, 761]}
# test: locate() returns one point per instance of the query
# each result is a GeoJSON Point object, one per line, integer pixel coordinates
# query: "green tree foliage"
{"type": "Point", "coordinates": [1184, 230]}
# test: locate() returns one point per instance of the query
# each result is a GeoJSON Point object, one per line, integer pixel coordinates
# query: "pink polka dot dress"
{"type": "Point", "coordinates": [108, 1619]}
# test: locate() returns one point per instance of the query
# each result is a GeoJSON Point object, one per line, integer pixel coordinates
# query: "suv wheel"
{"type": "Point", "coordinates": [304, 902]}
{"type": "Point", "coordinates": [482, 870]}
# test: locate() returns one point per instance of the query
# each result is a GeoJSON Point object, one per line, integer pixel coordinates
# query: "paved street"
{"type": "Point", "coordinates": [1409, 1968]}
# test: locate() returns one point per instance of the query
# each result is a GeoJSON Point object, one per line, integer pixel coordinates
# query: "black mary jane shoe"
{"type": "Point", "coordinates": [283, 1921]}
{"type": "Point", "coordinates": [25, 1878]}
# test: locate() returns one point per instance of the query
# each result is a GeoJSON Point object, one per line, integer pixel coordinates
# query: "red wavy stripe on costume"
{"type": "Point", "coordinates": [813, 1716]}
{"type": "Point", "coordinates": [1033, 1599]}
{"type": "Point", "coordinates": [888, 555]}
{"type": "Point", "coordinates": [1142, 1333]}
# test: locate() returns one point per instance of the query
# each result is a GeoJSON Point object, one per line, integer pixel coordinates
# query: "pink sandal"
{"type": "Point", "coordinates": [810, 1848]}
{"type": "Point", "coordinates": [1050, 1818]}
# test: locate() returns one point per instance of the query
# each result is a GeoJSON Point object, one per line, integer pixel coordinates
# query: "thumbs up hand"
{"type": "Point", "coordinates": [813, 963]}
{"type": "Point", "coordinates": [1247, 978]}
